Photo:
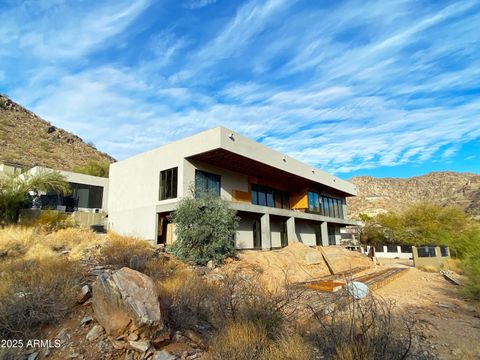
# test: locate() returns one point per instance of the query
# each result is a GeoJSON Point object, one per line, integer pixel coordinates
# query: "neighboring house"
{"type": "Point", "coordinates": [278, 199]}
{"type": "Point", "coordinates": [89, 193]}
{"type": "Point", "coordinates": [9, 168]}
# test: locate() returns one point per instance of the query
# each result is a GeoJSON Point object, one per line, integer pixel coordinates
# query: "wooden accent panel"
{"type": "Point", "coordinates": [241, 196]}
{"type": "Point", "coordinates": [299, 201]}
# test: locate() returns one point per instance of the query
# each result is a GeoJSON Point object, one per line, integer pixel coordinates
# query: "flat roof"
{"type": "Point", "coordinates": [233, 142]}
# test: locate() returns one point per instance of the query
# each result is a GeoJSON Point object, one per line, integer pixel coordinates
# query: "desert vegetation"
{"type": "Point", "coordinates": [235, 315]}
{"type": "Point", "coordinates": [14, 191]}
{"type": "Point", "coordinates": [205, 227]}
{"type": "Point", "coordinates": [429, 224]}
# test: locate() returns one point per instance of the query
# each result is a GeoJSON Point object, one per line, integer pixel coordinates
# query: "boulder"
{"type": "Point", "coordinates": [124, 298]}
{"type": "Point", "coordinates": [140, 346]}
{"type": "Point", "coordinates": [94, 333]}
{"type": "Point", "coordinates": [163, 355]}
{"type": "Point", "coordinates": [84, 294]}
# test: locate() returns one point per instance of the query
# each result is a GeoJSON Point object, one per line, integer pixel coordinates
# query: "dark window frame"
{"type": "Point", "coordinates": [271, 197]}
{"type": "Point", "coordinates": [168, 184]}
{"type": "Point", "coordinates": [207, 179]}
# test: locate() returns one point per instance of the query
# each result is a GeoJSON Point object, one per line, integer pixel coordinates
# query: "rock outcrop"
{"type": "Point", "coordinates": [124, 300]}
{"type": "Point", "coordinates": [377, 195]}
{"type": "Point", "coordinates": [28, 140]}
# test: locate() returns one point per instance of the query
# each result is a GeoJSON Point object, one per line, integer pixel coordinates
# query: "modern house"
{"type": "Point", "coordinates": [278, 199]}
{"type": "Point", "coordinates": [89, 193]}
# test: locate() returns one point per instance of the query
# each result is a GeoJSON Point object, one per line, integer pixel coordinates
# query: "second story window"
{"type": "Point", "coordinates": [206, 182]}
{"type": "Point", "coordinates": [325, 205]}
{"type": "Point", "coordinates": [168, 184]}
{"type": "Point", "coordinates": [265, 196]}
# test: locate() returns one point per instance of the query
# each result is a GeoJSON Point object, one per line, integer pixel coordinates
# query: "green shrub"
{"type": "Point", "coordinates": [205, 227]}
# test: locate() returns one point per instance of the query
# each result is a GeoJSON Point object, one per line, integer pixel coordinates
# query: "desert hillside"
{"type": "Point", "coordinates": [29, 140]}
{"type": "Point", "coordinates": [377, 195]}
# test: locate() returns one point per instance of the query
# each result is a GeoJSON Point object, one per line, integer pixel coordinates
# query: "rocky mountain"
{"type": "Point", "coordinates": [29, 140]}
{"type": "Point", "coordinates": [376, 195]}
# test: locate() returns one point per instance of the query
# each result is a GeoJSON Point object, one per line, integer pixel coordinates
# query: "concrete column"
{"type": "Point", "coordinates": [324, 232]}
{"type": "Point", "coordinates": [338, 235]}
{"type": "Point", "coordinates": [266, 233]}
{"type": "Point", "coordinates": [291, 230]}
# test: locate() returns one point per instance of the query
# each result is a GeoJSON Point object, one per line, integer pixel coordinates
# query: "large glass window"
{"type": "Point", "coordinates": [265, 196]}
{"type": "Point", "coordinates": [325, 205]}
{"type": "Point", "coordinates": [168, 184]}
{"type": "Point", "coordinates": [426, 251]}
{"type": "Point", "coordinates": [207, 182]}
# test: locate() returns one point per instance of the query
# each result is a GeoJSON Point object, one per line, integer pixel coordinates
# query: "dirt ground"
{"type": "Point", "coordinates": [298, 263]}
{"type": "Point", "coordinates": [445, 321]}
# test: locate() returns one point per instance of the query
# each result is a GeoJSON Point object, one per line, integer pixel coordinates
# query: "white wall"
{"type": "Point", "coordinates": [244, 236]}
{"type": "Point", "coordinates": [390, 255]}
{"type": "Point", "coordinates": [306, 232]}
{"type": "Point", "coordinates": [276, 232]}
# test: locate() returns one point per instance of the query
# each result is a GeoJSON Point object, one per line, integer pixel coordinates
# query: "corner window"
{"type": "Point", "coordinates": [168, 184]}
{"type": "Point", "coordinates": [207, 182]}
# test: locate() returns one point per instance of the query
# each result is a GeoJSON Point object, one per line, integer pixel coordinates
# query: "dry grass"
{"type": "Point", "coordinates": [189, 300]}
{"type": "Point", "coordinates": [33, 243]}
{"type": "Point", "coordinates": [126, 251]}
{"type": "Point", "coordinates": [248, 341]}
{"type": "Point", "coordinates": [15, 241]}
{"type": "Point", "coordinates": [454, 265]}
{"type": "Point", "coordinates": [35, 292]}
{"type": "Point", "coordinates": [427, 268]}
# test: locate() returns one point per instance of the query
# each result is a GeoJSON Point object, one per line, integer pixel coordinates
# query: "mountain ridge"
{"type": "Point", "coordinates": [377, 195]}
{"type": "Point", "coordinates": [27, 139]}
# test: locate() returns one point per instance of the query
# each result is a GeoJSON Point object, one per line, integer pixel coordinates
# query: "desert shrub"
{"type": "Point", "coordinates": [15, 241]}
{"type": "Point", "coordinates": [14, 191]}
{"type": "Point", "coordinates": [73, 240]}
{"type": "Point", "coordinates": [163, 266]}
{"type": "Point", "coordinates": [205, 227]}
{"type": "Point", "coordinates": [471, 266]}
{"type": "Point", "coordinates": [246, 340]}
{"type": "Point", "coordinates": [126, 251]}
{"type": "Point", "coordinates": [244, 297]}
{"type": "Point", "coordinates": [53, 220]}
{"type": "Point", "coordinates": [289, 346]}
{"type": "Point", "coordinates": [34, 293]}
{"type": "Point", "coordinates": [454, 265]}
{"type": "Point", "coordinates": [427, 268]}
{"type": "Point", "coordinates": [239, 341]}
{"type": "Point", "coordinates": [360, 329]}
{"type": "Point", "coordinates": [94, 167]}
{"type": "Point", "coordinates": [189, 300]}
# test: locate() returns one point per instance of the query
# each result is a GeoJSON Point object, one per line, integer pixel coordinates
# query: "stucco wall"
{"type": "Point", "coordinates": [306, 232]}
{"type": "Point", "coordinates": [244, 236]}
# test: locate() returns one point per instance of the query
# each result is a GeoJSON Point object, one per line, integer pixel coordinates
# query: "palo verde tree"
{"type": "Point", "coordinates": [205, 227]}
{"type": "Point", "coordinates": [15, 189]}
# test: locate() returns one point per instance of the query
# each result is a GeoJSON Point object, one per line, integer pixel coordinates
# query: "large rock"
{"type": "Point", "coordinates": [125, 297]}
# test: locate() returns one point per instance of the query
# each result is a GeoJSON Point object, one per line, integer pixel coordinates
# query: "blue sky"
{"type": "Point", "coordinates": [382, 88]}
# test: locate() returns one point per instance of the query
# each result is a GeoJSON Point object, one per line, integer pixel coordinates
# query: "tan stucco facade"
{"type": "Point", "coordinates": [134, 205]}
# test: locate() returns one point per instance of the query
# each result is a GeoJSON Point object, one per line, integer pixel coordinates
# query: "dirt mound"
{"type": "Point", "coordinates": [342, 259]}
{"type": "Point", "coordinates": [298, 262]}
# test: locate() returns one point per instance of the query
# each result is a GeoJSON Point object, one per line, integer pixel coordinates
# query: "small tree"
{"type": "Point", "coordinates": [205, 227]}
{"type": "Point", "coordinates": [14, 191]}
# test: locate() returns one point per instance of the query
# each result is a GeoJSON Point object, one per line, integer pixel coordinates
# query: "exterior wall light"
{"type": "Point", "coordinates": [284, 159]}
{"type": "Point", "coordinates": [231, 136]}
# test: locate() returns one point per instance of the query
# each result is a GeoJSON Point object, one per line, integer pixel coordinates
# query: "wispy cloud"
{"type": "Point", "coordinates": [345, 86]}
